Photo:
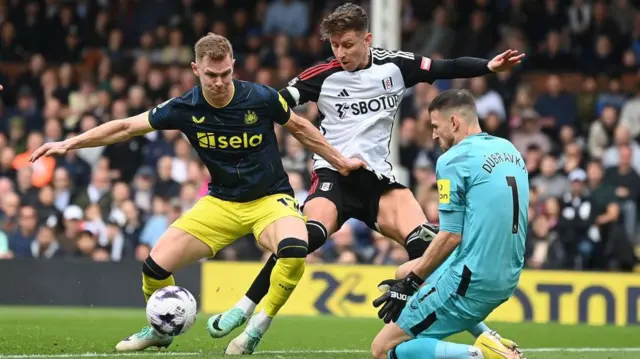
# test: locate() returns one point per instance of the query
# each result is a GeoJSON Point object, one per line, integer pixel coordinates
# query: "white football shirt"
{"type": "Point", "coordinates": [357, 109]}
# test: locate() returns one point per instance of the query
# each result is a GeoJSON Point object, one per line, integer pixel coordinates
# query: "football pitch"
{"type": "Point", "coordinates": [36, 332]}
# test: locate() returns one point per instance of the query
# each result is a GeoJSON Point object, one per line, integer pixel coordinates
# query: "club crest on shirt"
{"type": "Point", "coordinates": [387, 84]}
{"type": "Point", "coordinates": [326, 186]}
{"type": "Point", "coordinates": [250, 118]}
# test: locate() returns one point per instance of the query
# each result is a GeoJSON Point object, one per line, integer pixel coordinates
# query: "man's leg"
{"type": "Point", "coordinates": [393, 343]}
{"type": "Point", "coordinates": [322, 210]}
{"type": "Point", "coordinates": [400, 218]}
{"type": "Point", "coordinates": [322, 222]}
{"type": "Point", "coordinates": [430, 316]}
{"type": "Point", "coordinates": [425, 320]}
{"type": "Point", "coordinates": [175, 249]}
{"type": "Point", "coordinates": [286, 237]}
{"type": "Point", "coordinates": [202, 231]}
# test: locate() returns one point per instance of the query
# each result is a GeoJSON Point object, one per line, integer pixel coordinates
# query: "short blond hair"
{"type": "Point", "coordinates": [214, 46]}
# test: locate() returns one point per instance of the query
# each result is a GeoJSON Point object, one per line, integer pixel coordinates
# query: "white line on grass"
{"type": "Point", "coordinates": [267, 352]}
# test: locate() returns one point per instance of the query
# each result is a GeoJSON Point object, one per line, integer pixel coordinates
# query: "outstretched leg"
{"type": "Point", "coordinates": [175, 249]}
{"type": "Point", "coordinates": [287, 238]}
{"type": "Point", "coordinates": [199, 233]}
{"type": "Point", "coordinates": [323, 222]}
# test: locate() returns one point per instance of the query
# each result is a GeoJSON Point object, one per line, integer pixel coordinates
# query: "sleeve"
{"type": "Point", "coordinates": [451, 222]}
{"type": "Point", "coordinates": [451, 194]}
{"type": "Point", "coordinates": [165, 115]}
{"type": "Point", "coordinates": [278, 107]}
{"type": "Point", "coordinates": [417, 68]}
{"type": "Point", "coordinates": [307, 85]}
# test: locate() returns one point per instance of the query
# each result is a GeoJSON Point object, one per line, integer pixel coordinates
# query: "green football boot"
{"type": "Point", "coordinates": [222, 324]}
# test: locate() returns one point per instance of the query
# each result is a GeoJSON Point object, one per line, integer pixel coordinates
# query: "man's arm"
{"type": "Point", "coordinates": [416, 68]}
{"type": "Point", "coordinates": [105, 134]}
{"type": "Point", "coordinates": [461, 67]}
{"type": "Point", "coordinates": [312, 139]}
{"type": "Point", "coordinates": [451, 211]}
{"type": "Point", "coordinates": [438, 251]}
{"type": "Point", "coordinates": [310, 136]}
{"type": "Point", "coordinates": [111, 132]}
{"type": "Point", "coordinates": [610, 215]}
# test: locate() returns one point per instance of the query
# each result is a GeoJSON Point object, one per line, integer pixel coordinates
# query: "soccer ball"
{"type": "Point", "coordinates": [172, 310]}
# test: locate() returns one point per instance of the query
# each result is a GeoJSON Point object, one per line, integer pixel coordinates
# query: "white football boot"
{"type": "Point", "coordinates": [146, 338]}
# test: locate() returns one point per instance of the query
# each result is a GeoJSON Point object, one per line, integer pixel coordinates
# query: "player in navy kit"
{"type": "Point", "coordinates": [358, 93]}
{"type": "Point", "coordinates": [230, 124]}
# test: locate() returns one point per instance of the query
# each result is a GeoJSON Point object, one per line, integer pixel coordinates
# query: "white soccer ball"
{"type": "Point", "coordinates": [172, 310]}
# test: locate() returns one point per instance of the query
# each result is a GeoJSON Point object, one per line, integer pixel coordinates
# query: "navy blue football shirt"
{"type": "Point", "coordinates": [236, 142]}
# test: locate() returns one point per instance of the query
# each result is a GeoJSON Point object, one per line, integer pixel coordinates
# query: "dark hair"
{"type": "Point", "coordinates": [344, 18]}
{"type": "Point", "coordinates": [451, 99]}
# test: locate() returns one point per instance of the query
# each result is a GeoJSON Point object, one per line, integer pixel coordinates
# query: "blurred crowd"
{"type": "Point", "coordinates": [82, 63]}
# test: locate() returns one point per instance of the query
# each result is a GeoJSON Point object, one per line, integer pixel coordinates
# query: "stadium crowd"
{"type": "Point", "coordinates": [68, 66]}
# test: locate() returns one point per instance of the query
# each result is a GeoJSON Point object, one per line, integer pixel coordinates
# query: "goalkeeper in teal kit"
{"type": "Point", "coordinates": [483, 192]}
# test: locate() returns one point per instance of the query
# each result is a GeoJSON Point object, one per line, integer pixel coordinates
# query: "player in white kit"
{"type": "Point", "coordinates": [358, 93]}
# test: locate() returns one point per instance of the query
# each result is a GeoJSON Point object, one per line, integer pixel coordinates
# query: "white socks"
{"type": "Point", "coordinates": [262, 321]}
{"type": "Point", "coordinates": [247, 306]}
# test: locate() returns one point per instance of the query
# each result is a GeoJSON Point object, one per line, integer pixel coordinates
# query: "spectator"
{"type": "Point", "coordinates": [601, 132]}
{"type": "Point", "coordinates": [586, 104]}
{"type": "Point", "coordinates": [20, 240]}
{"type": "Point", "coordinates": [440, 36]}
{"type": "Point", "coordinates": [572, 158]}
{"type": "Point", "coordinates": [62, 191]}
{"type": "Point", "coordinates": [557, 107]}
{"type": "Point", "coordinates": [295, 158]}
{"type": "Point", "coordinates": [45, 245]}
{"type": "Point", "coordinates": [97, 192]}
{"type": "Point", "coordinates": [287, 16]}
{"type": "Point", "coordinates": [165, 186]}
{"type": "Point", "coordinates": [553, 57]}
{"type": "Point", "coordinates": [43, 169]}
{"type": "Point", "coordinates": [630, 115]}
{"type": "Point", "coordinates": [614, 96]}
{"type": "Point", "coordinates": [622, 138]}
{"type": "Point", "coordinates": [9, 212]}
{"type": "Point", "coordinates": [487, 100]}
{"type": "Point", "coordinates": [529, 133]}
{"type": "Point", "coordinates": [625, 180]}
{"type": "Point", "coordinates": [114, 242]}
{"type": "Point", "coordinates": [176, 52]}
{"type": "Point", "coordinates": [575, 246]}
{"type": "Point", "coordinates": [549, 182]}
{"type": "Point", "coordinates": [157, 223]}
{"type": "Point", "coordinates": [608, 238]}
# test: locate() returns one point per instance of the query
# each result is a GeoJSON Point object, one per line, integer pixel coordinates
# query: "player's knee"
{"type": "Point", "coordinates": [379, 349]}
{"type": "Point", "coordinates": [418, 240]}
{"type": "Point", "coordinates": [317, 235]}
{"type": "Point", "coordinates": [293, 248]}
{"type": "Point", "coordinates": [151, 269]}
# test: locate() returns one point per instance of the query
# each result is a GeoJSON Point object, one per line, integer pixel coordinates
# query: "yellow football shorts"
{"type": "Point", "coordinates": [219, 223]}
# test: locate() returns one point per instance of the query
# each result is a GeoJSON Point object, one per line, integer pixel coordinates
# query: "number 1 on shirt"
{"type": "Point", "coordinates": [511, 182]}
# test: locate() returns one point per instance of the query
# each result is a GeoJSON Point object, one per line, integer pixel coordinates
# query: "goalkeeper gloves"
{"type": "Point", "coordinates": [396, 296]}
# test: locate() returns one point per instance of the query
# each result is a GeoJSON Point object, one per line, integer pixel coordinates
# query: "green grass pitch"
{"type": "Point", "coordinates": [35, 332]}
